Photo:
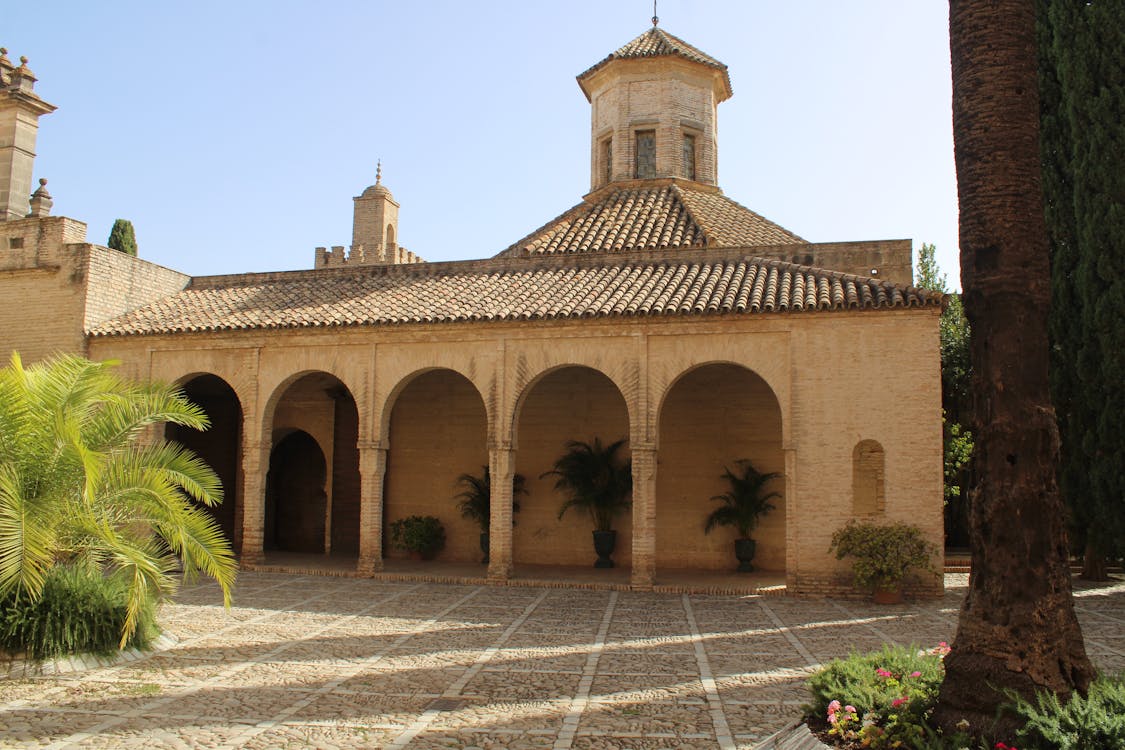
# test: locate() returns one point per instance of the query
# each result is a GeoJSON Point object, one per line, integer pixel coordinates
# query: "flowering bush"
{"type": "Point", "coordinates": [878, 700]}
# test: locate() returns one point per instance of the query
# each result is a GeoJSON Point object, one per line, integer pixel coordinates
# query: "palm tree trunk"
{"type": "Point", "coordinates": [1017, 627]}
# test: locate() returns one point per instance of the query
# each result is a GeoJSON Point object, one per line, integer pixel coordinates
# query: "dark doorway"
{"type": "Point", "coordinates": [295, 496]}
{"type": "Point", "coordinates": [220, 446]}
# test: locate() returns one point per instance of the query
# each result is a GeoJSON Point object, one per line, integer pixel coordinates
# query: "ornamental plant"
{"type": "Point", "coordinates": [78, 486]}
{"type": "Point", "coordinates": [422, 535]}
{"type": "Point", "coordinates": [877, 700]}
{"type": "Point", "coordinates": [883, 554]}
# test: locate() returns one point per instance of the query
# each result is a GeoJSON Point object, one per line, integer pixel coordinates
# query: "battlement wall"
{"type": "Point", "coordinates": [359, 255]}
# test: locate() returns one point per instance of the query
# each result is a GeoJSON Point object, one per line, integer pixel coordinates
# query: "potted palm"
{"type": "Point", "coordinates": [594, 479]}
{"type": "Point", "coordinates": [884, 554]}
{"type": "Point", "coordinates": [743, 504]}
{"type": "Point", "coordinates": [476, 501]}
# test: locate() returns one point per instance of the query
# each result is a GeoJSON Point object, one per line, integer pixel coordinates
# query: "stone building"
{"type": "Point", "coordinates": [656, 310]}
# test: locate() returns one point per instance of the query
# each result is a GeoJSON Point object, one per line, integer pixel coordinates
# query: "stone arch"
{"type": "Point", "coordinates": [436, 429]}
{"type": "Point", "coordinates": [711, 416]}
{"type": "Point", "coordinates": [563, 403]}
{"type": "Point", "coordinates": [319, 404]}
{"type": "Point", "coordinates": [868, 477]}
{"type": "Point", "coordinates": [384, 405]}
{"type": "Point", "coordinates": [220, 446]}
{"type": "Point", "coordinates": [296, 496]}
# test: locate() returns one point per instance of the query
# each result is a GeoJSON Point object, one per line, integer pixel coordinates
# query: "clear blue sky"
{"type": "Point", "coordinates": [234, 134]}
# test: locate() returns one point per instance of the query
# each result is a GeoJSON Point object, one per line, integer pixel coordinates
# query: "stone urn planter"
{"type": "Point", "coordinates": [604, 544]}
{"type": "Point", "coordinates": [744, 550]}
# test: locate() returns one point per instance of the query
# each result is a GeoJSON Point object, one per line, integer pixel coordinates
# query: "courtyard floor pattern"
{"type": "Point", "coordinates": [308, 662]}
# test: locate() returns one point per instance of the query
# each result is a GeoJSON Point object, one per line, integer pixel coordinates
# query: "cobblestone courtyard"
{"type": "Point", "coordinates": [329, 662]}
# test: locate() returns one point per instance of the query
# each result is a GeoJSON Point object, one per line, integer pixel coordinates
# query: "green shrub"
{"type": "Point", "coordinates": [421, 534]}
{"type": "Point", "coordinates": [883, 553]}
{"type": "Point", "coordinates": [80, 611]}
{"type": "Point", "coordinates": [1094, 721]}
{"type": "Point", "coordinates": [881, 698]}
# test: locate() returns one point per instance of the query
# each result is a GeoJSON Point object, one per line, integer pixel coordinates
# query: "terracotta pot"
{"type": "Point", "coordinates": [891, 595]}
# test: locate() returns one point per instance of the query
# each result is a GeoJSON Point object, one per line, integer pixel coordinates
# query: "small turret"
{"type": "Point", "coordinates": [374, 232]}
{"type": "Point", "coordinates": [20, 110]}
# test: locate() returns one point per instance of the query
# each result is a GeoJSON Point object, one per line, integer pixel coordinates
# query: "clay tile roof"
{"type": "Point", "coordinates": [696, 283]}
{"type": "Point", "coordinates": [653, 215]}
{"type": "Point", "coordinates": [659, 43]}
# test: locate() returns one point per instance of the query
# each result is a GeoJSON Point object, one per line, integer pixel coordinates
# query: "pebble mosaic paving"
{"type": "Point", "coordinates": [308, 662]}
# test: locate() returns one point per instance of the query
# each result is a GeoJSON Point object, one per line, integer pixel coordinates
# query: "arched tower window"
{"type": "Point", "coordinates": [390, 237]}
{"type": "Point", "coordinates": [867, 479]}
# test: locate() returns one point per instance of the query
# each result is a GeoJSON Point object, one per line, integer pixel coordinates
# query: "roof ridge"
{"type": "Point", "coordinates": [679, 193]}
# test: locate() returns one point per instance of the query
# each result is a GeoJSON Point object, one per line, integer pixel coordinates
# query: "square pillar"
{"type": "Point", "coordinates": [255, 464]}
{"type": "Point", "coordinates": [644, 516]}
{"type": "Point", "coordinates": [372, 470]}
{"type": "Point", "coordinates": [501, 470]}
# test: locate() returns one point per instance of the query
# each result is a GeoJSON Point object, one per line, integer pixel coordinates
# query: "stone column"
{"type": "Point", "coordinates": [372, 469]}
{"type": "Point", "coordinates": [255, 464]}
{"type": "Point", "coordinates": [644, 516]}
{"type": "Point", "coordinates": [501, 469]}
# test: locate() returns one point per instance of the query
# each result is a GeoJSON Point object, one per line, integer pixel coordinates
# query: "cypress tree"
{"type": "Point", "coordinates": [122, 238]}
{"type": "Point", "coordinates": [1082, 84]}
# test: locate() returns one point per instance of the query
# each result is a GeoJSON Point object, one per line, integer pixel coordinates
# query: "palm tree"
{"type": "Point", "coordinates": [744, 503]}
{"type": "Point", "coordinates": [476, 496]}
{"type": "Point", "coordinates": [1017, 630]}
{"type": "Point", "coordinates": [595, 480]}
{"type": "Point", "coordinates": [77, 487]}
{"type": "Point", "coordinates": [476, 501]}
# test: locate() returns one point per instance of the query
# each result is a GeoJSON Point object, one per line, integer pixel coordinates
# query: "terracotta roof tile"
{"type": "Point", "coordinates": [657, 42]}
{"type": "Point", "coordinates": [653, 215]}
{"type": "Point", "coordinates": [681, 283]}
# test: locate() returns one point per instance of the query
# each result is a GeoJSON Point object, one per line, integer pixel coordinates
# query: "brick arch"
{"type": "Point", "coordinates": [767, 356]}
{"type": "Point", "coordinates": [562, 403]}
{"type": "Point", "coordinates": [384, 401]}
{"type": "Point", "coordinates": [328, 410]}
{"type": "Point", "coordinates": [671, 384]}
{"type": "Point", "coordinates": [526, 382]}
{"type": "Point", "coordinates": [220, 446]}
{"type": "Point", "coordinates": [711, 416]}
{"type": "Point", "coordinates": [435, 429]}
{"type": "Point", "coordinates": [278, 389]}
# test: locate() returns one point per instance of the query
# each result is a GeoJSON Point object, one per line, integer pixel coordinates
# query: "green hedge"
{"type": "Point", "coordinates": [80, 611]}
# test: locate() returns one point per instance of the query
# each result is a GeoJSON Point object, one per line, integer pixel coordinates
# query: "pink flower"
{"type": "Point", "coordinates": [850, 709]}
{"type": "Point", "coordinates": [915, 674]}
{"type": "Point", "coordinates": [899, 701]}
{"type": "Point", "coordinates": [883, 673]}
{"type": "Point", "coordinates": [833, 707]}
{"type": "Point", "coordinates": [831, 718]}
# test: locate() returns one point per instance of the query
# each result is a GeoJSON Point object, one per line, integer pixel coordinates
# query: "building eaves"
{"type": "Point", "coordinates": [707, 282]}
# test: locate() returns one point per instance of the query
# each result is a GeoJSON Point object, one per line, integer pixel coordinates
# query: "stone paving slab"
{"type": "Point", "coordinates": [303, 662]}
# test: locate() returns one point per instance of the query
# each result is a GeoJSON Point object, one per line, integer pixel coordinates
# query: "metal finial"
{"type": "Point", "coordinates": [655, 18]}
{"type": "Point", "coordinates": [378, 171]}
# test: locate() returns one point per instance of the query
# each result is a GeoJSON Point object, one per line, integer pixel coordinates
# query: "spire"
{"type": "Point", "coordinates": [655, 18]}
{"type": "Point", "coordinates": [378, 172]}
